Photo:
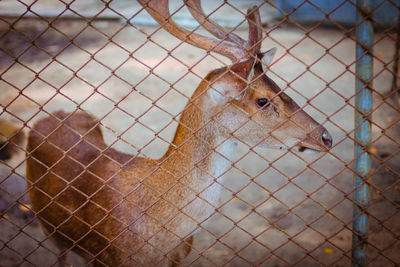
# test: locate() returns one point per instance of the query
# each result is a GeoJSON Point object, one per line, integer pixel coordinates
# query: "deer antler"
{"type": "Point", "coordinates": [255, 33]}
{"type": "Point", "coordinates": [158, 9]}
{"type": "Point", "coordinates": [253, 19]}
{"type": "Point", "coordinates": [228, 44]}
{"type": "Point", "coordinates": [197, 12]}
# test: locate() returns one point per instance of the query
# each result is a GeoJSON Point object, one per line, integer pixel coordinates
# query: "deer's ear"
{"type": "Point", "coordinates": [267, 58]}
{"type": "Point", "coordinates": [233, 83]}
{"type": "Point", "coordinates": [232, 87]}
{"type": "Point", "coordinates": [222, 90]}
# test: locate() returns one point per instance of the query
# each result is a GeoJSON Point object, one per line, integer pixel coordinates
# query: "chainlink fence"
{"type": "Point", "coordinates": [268, 207]}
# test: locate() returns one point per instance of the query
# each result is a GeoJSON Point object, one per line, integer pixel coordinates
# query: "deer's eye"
{"type": "Point", "coordinates": [261, 102]}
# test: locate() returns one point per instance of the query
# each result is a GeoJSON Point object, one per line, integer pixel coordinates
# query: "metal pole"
{"type": "Point", "coordinates": [365, 36]}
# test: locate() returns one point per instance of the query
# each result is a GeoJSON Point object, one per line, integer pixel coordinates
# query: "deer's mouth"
{"type": "Point", "coordinates": [302, 148]}
{"type": "Point", "coordinates": [315, 144]}
{"type": "Point", "coordinates": [313, 147]}
{"type": "Point", "coordinates": [307, 150]}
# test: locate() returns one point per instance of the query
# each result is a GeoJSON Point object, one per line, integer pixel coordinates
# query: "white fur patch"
{"type": "Point", "coordinates": [309, 151]}
{"type": "Point", "coordinates": [220, 92]}
{"type": "Point", "coordinates": [216, 96]}
{"type": "Point", "coordinates": [219, 164]}
{"type": "Point", "coordinates": [267, 58]}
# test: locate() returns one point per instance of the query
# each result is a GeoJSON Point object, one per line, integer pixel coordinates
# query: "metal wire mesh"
{"type": "Point", "coordinates": [265, 207]}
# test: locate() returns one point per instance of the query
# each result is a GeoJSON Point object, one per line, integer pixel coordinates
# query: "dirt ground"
{"type": "Point", "coordinates": [289, 209]}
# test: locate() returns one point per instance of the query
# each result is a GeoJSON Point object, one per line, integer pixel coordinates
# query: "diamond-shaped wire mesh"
{"type": "Point", "coordinates": [200, 177]}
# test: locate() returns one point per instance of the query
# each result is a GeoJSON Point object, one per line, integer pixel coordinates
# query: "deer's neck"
{"type": "Point", "coordinates": [199, 152]}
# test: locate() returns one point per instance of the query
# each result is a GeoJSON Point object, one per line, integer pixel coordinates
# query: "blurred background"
{"type": "Point", "coordinates": [111, 59]}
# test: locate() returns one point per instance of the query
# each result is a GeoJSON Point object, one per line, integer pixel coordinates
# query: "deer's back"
{"type": "Point", "coordinates": [77, 187]}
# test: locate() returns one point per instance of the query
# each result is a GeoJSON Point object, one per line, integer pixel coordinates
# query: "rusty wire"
{"type": "Point", "coordinates": [328, 252]}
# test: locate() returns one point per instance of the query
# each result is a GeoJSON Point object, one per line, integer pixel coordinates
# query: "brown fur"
{"type": "Point", "coordinates": [118, 209]}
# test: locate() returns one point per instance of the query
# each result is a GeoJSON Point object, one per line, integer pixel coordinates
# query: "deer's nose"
{"type": "Point", "coordinates": [327, 139]}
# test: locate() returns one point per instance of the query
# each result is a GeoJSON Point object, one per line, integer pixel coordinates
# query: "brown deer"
{"type": "Point", "coordinates": [118, 209]}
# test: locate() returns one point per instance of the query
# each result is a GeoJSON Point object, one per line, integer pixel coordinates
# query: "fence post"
{"type": "Point", "coordinates": [364, 35]}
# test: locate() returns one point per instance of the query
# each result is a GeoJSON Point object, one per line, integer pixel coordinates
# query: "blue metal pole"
{"type": "Point", "coordinates": [365, 37]}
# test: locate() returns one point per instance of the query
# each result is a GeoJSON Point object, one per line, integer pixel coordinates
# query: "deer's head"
{"type": "Point", "coordinates": [241, 98]}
